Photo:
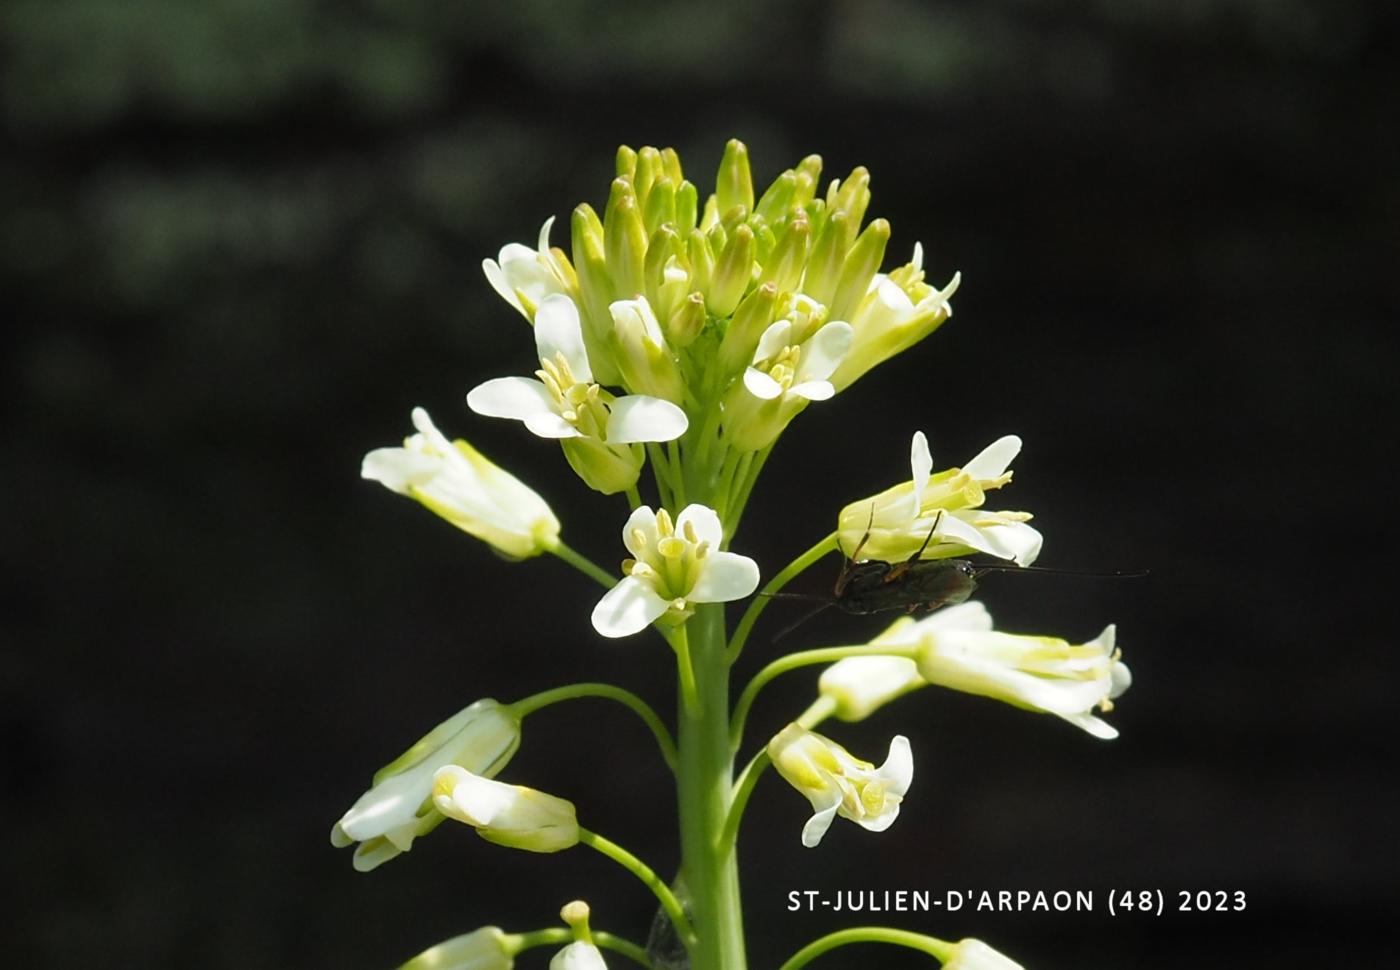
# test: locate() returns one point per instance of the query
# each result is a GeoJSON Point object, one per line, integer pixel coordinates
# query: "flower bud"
{"type": "Point", "coordinates": [509, 815]}
{"type": "Point", "coordinates": [732, 274]}
{"type": "Point", "coordinates": [484, 949]}
{"type": "Point", "coordinates": [734, 184]}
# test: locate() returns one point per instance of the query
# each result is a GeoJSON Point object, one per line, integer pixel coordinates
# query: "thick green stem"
{"type": "Point", "coordinates": [709, 869]}
{"type": "Point", "coordinates": [934, 947]}
{"type": "Point", "coordinates": [586, 566]}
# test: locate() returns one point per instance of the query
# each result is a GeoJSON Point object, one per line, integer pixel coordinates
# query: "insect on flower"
{"type": "Point", "coordinates": [913, 585]}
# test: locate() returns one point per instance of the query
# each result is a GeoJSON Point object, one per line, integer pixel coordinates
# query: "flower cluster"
{"type": "Point", "coordinates": [683, 335]}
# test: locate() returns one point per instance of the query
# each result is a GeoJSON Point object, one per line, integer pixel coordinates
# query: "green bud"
{"type": "Point", "coordinates": [763, 239]}
{"type": "Point", "coordinates": [784, 264]}
{"type": "Point", "coordinates": [665, 245]}
{"type": "Point", "coordinates": [851, 196]}
{"type": "Point", "coordinates": [625, 165]}
{"type": "Point", "coordinates": [625, 240]}
{"type": "Point", "coordinates": [603, 467]}
{"type": "Point", "coordinates": [660, 205]}
{"type": "Point", "coordinates": [734, 184]}
{"type": "Point", "coordinates": [595, 292]}
{"type": "Point", "coordinates": [710, 217]}
{"type": "Point", "coordinates": [828, 256]}
{"type": "Point", "coordinates": [718, 237]}
{"type": "Point", "coordinates": [686, 321]}
{"type": "Point", "coordinates": [809, 173]}
{"type": "Point", "coordinates": [643, 355]}
{"type": "Point", "coordinates": [648, 171]}
{"type": "Point", "coordinates": [733, 271]}
{"type": "Point", "coordinates": [751, 318]}
{"type": "Point", "coordinates": [862, 263]}
{"type": "Point", "coordinates": [687, 200]}
{"type": "Point", "coordinates": [778, 198]}
{"type": "Point", "coordinates": [671, 165]}
{"type": "Point", "coordinates": [702, 260]}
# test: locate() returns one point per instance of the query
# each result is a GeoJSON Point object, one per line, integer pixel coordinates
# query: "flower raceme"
{"type": "Point", "coordinates": [673, 565]}
{"type": "Point", "coordinates": [600, 432]}
{"type": "Point", "coordinates": [509, 815]}
{"type": "Point", "coordinates": [944, 510]}
{"type": "Point", "coordinates": [399, 807]}
{"type": "Point", "coordinates": [837, 783]}
{"type": "Point", "coordinates": [457, 482]}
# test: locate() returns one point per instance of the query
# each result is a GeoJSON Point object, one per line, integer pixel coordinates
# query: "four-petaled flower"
{"type": "Point", "coordinates": [510, 815]}
{"type": "Point", "coordinates": [600, 433]}
{"type": "Point", "coordinates": [674, 565]}
{"type": "Point", "coordinates": [524, 277]}
{"type": "Point", "coordinates": [399, 807]}
{"type": "Point", "coordinates": [896, 523]}
{"type": "Point", "coordinates": [1034, 673]}
{"type": "Point", "coordinates": [457, 482]}
{"type": "Point", "coordinates": [837, 783]}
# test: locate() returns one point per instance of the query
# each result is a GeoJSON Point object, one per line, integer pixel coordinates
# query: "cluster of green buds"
{"type": "Point", "coordinates": [737, 313]}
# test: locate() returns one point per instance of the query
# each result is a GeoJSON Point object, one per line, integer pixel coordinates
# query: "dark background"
{"type": "Point", "coordinates": [243, 240]}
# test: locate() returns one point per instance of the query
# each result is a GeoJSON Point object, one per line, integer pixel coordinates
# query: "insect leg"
{"type": "Point", "coordinates": [901, 568]}
{"type": "Point", "coordinates": [845, 575]}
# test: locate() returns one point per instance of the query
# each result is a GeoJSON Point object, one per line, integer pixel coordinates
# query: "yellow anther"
{"type": "Point", "coordinates": [702, 549]}
{"type": "Point", "coordinates": [872, 797]}
{"type": "Point", "coordinates": [678, 603]}
{"type": "Point", "coordinates": [689, 531]}
{"type": "Point", "coordinates": [664, 525]}
{"type": "Point", "coordinates": [628, 565]}
{"type": "Point", "coordinates": [569, 416]}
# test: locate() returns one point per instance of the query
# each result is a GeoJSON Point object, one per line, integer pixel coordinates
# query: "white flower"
{"type": "Point", "coordinates": [399, 808]}
{"type": "Point", "coordinates": [457, 482]}
{"type": "Point", "coordinates": [600, 433]}
{"type": "Point", "coordinates": [1035, 673]}
{"type": "Point", "coordinates": [510, 815]}
{"type": "Point", "coordinates": [578, 956]}
{"type": "Point", "coordinates": [525, 277]}
{"type": "Point", "coordinates": [836, 783]}
{"type": "Point", "coordinates": [484, 949]}
{"type": "Point", "coordinates": [896, 312]}
{"type": "Point", "coordinates": [862, 685]}
{"type": "Point", "coordinates": [789, 369]}
{"type": "Point", "coordinates": [901, 518]}
{"type": "Point", "coordinates": [972, 954]}
{"type": "Point", "coordinates": [674, 565]}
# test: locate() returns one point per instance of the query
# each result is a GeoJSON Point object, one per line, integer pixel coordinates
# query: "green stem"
{"type": "Point", "coordinates": [634, 498]}
{"type": "Point", "coordinates": [648, 877]}
{"type": "Point", "coordinates": [609, 692]}
{"type": "Point", "coordinates": [677, 475]}
{"type": "Point", "coordinates": [819, 711]}
{"type": "Point", "coordinates": [760, 602]}
{"type": "Point", "coordinates": [661, 471]}
{"type": "Point", "coordinates": [585, 565]}
{"type": "Point", "coordinates": [556, 935]}
{"type": "Point", "coordinates": [741, 499]}
{"type": "Point", "coordinates": [804, 658]}
{"type": "Point", "coordinates": [936, 948]}
{"type": "Point", "coordinates": [680, 642]}
{"type": "Point", "coordinates": [705, 788]}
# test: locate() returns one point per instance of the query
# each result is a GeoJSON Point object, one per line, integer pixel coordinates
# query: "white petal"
{"type": "Point", "coordinates": [918, 261]}
{"type": "Point", "coordinates": [638, 417]}
{"type": "Point", "coordinates": [627, 608]}
{"type": "Point", "coordinates": [813, 390]}
{"type": "Point", "coordinates": [881, 822]}
{"type": "Point", "coordinates": [544, 234]}
{"type": "Point", "coordinates": [824, 352]}
{"type": "Point", "coordinates": [921, 465]}
{"type": "Point", "coordinates": [511, 397]}
{"type": "Point", "coordinates": [971, 615]}
{"type": "Point", "coordinates": [817, 825]}
{"type": "Point", "coordinates": [551, 425]}
{"type": "Point", "coordinates": [1096, 726]}
{"type": "Point", "coordinates": [898, 770]}
{"type": "Point", "coordinates": [993, 460]}
{"type": "Point", "coordinates": [727, 576]}
{"type": "Point", "coordinates": [705, 523]}
{"type": "Point", "coordinates": [774, 339]}
{"type": "Point", "coordinates": [558, 331]}
{"type": "Point", "coordinates": [497, 278]}
{"type": "Point", "coordinates": [399, 468]}
{"type": "Point", "coordinates": [642, 520]}
{"type": "Point", "coordinates": [578, 956]}
{"type": "Point", "coordinates": [760, 385]}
